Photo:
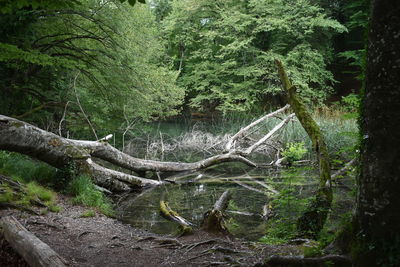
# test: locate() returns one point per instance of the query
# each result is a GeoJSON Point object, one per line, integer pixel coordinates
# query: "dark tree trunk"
{"type": "Point", "coordinates": [377, 221]}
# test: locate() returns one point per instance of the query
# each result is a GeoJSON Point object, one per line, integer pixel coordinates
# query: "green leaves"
{"type": "Point", "coordinates": [225, 50]}
{"type": "Point", "coordinates": [133, 2]}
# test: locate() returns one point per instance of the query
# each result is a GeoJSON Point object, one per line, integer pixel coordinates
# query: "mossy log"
{"type": "Point", "coordinates": [35, 252]}
{"type": "Point", "coordinates": [173, 216]}
{"type": "Point", "coordinates": [213, 220]}
{"type": "Point", "coordinates": [312, 221]}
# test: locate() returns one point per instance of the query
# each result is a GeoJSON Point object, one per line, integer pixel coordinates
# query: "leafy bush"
{"type": "Point", "coordinates": [85, 193]}
{"type": "Point", "coordinates": [351, 102]}
{"type": "Point", "coordinates": [294, 151]}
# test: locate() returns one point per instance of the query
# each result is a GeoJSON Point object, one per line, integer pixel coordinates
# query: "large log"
{"type": "Point", "coordinates": [35, 252]}
{"type": "Point", "coordinates": [22, 137]}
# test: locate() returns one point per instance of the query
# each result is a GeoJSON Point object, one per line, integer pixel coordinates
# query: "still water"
{"type": "Point", "coordinates": [250, 190]}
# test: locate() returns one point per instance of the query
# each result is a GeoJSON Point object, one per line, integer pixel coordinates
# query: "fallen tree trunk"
{"type": "Point", "coordinates": [312, 221]}
{"type": "Point", "coordinates": [35, 252]}
{"type": "Point", "coordinates": [18, 136]}
{"type": "Point", "coordinates": [213, 220]}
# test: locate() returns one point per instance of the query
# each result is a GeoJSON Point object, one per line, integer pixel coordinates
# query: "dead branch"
{"type": "Point", "coordinates": [345, 168]}
{"type": "Point", "coordinates": [250, 149]}
{"type": "Point", "coordinates": [243, 131]}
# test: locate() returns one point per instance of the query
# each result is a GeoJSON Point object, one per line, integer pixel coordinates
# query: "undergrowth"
{"type": "Point", "coordinates": [35, 176]}
{"type": "Point", "coordinates": [84, 192]}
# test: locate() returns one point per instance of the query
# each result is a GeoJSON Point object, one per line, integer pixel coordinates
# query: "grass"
{"type": "Point", "coordinates": [31, 173]}
{"type": "Point", "coordinates": [26, 169]}
{"type": "Point", "coordinates": [30, 194]}
{"type": "Point", "coordinates": [201, 139]}
{"type": "Point", "coordinates": [85, 193]}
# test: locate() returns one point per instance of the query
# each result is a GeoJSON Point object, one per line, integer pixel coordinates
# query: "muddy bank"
{"type": "Point", "coordinates": [103, 241]}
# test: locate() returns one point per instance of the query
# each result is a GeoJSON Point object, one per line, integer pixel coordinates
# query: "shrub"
{"type": "Point", "coordinates": [294, 152]}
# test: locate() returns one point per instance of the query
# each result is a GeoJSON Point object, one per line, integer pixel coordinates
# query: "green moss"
{"type": "Point", "coordinates": [36, 191]}
{"type": "Point", "coordinates": [7, 194]}
{"type": "Point", "coordinates": [16, 124]}
{"type": "Point", "coordinates": [54, 208]}
{"type": "Point", "coordinates": [87, 214]}
{"type": "Point", "coordinates": [76, 153]}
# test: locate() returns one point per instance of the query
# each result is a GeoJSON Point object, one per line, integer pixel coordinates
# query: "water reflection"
{"type": "Point", "coordinates": [192, 200]}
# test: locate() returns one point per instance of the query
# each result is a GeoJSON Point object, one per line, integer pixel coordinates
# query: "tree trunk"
{"type": "Point", "coordinates": [376, 235]}
{"type": "Point", "coordinates": [214, 219]}
{"type": "Point", "coordinates": [312, 221]}
{"type": "Point", "coordinates": [32, 249]}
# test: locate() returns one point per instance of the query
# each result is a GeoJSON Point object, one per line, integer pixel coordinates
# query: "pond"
{"type": "Point", "coordinates": [286, 190]}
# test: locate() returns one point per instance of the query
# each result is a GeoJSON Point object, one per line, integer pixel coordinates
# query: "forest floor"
{"type": "Point", "coordinates": [103, 241]}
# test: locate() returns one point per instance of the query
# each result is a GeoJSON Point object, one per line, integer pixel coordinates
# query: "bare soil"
{"type": "Point", "coordinates": [103, 241]}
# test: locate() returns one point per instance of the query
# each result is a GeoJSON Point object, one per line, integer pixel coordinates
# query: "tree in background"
{"type": "Point", "coordinates": [93, 57]}
{"type": "Point", "coordinates": [225, 50]}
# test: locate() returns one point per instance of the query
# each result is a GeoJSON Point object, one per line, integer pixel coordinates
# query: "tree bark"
{"type": "Point", "coordinates": [35, 252]}
{"type": "Point", "coordinates": [376, 234]}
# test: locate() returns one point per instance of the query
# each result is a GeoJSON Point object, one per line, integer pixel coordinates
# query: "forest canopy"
{"type": "Point", "coordinates": [89, 67]}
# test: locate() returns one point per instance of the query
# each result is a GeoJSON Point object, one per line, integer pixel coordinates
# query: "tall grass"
{"type": "Point", "coordinates": [27, 169]}
{"type": "Point", "coordinates": [210, 137]}
{"type": "Point", "coordinates": [84, 192]}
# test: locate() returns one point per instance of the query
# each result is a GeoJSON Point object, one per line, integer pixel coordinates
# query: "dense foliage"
{"type": "Point", "coordinates": [85, 68]}
{"type": "Point", "coordinates": [225, 50]}
{"type": "Point", "coordinates": [86, 64]}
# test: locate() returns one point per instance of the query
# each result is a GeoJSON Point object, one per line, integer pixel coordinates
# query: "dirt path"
{"type": "Point", "coordinates": [102, 241]}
